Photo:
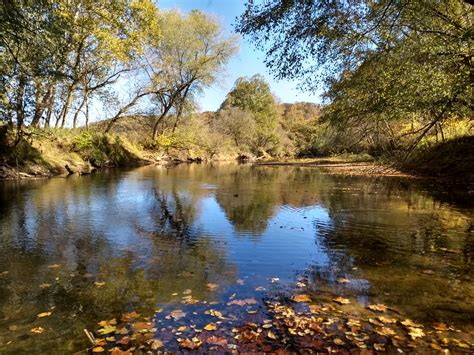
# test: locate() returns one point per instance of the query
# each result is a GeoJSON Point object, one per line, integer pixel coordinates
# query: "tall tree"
{"type": "Point", "coordinates": [253, 95]}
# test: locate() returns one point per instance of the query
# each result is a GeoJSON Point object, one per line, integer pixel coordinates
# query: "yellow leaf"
{"type": "Point", "coordinates": [341, 300]}
{"type": "Point", "coordinates": [387, 320]}
{"type": "Point", "coordinates": [37, 330]}
{"type": "Point", "coordinates": [271, 335]}
{"type": "Point", "coordinates": [182, 328]}
{"type": "Point", "coordinates": [107, 330]}
{"type": "Point", "coordinates": [98, 349]}
{"type": "Point", "coordinates": [156, 344]}
{"type": "Point", "coordinates": [301, 298]}
{"type": "Point", "coordinates": [44, 314]}
{"type": "Point", "coordinates": [99, 284]}
{"type": "Point", "coordinates": [377, 307]}
{"type": "Point", "coordinates": [410, 323]}
{"type": "Point", "coordinates": [416, 333]}
{"type": "Point", "coordinates": [343, 280]}
{"type": "Point", "coordinates": [338, 341]}
{"type": "Point", "coordinates": [210, 326]}
{"type": "Point", "coordinates": [45, 285]}
{"type": "Point", "coordinates": [212, 287]}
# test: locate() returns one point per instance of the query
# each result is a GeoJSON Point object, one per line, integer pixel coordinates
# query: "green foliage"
{"type": "Point", "coordinates": [384, 64]}
{"type": "Point", "coordinates": [102, 149]}
{"type": "Point", "coordinates": [253, 97]}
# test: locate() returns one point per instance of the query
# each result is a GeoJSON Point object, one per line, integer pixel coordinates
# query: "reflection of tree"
{"type": "Point", "coordinates": [404, 243]}
{"type": "Point", "coordinates": [136, 241]}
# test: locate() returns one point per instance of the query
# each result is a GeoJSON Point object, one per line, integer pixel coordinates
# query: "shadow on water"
{"type": "Point", "coordinates": [89, 248]}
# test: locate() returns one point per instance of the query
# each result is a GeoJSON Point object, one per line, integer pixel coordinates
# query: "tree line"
{"type": "Point", "coordinates": [60, 58]}
{"type": "Point", "coordinates": [395, 72]}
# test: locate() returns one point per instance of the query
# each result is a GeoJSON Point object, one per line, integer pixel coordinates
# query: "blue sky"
{"type": "Point", "coordinates": [247, 62]}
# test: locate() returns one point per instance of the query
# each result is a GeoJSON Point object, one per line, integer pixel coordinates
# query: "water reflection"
{"type": "Point", "coordinates": [92, 247]}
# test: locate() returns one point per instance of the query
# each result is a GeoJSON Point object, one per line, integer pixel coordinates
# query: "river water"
{"type": "Point", "coordinates": [92, 247]}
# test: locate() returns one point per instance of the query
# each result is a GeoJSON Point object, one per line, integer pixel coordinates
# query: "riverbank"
{"type": "Point", "coordinates": [49, 153]}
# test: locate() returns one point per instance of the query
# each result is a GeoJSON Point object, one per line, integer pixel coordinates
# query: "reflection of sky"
{"type": "Point", "coordinates": [288, 244]}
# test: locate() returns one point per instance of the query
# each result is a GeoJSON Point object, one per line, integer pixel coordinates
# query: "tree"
{"type": "Point", "coordinates": [56, 56]}
{"type": "Point", "coordinates": [238, 125]}
{"type": "Point", "coordinates": [186, 61]}
{"type": "Point", "coordinates": [253, 95]}
{"type": "Point", "coordinates": [379, 61]}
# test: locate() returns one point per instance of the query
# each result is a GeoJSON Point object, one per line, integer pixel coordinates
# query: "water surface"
{"type": "Point", "coordinates": [90, 248]}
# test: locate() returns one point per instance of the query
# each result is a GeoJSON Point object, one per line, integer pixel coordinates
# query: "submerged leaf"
{"type": "Point", "coordinates": [212, 287]}
{"type": "Point", "coordinates": [416, 333]}
{"type": "Point", "coordinates": [244, 302]}
{"type": "Point", "coordinates": [210, 326]}
{"type": "Point", "coordinates": [43, 314]}
{"type": "Point", "coordinates": [377, 307]}
{"type": "Point", "coordinates": [37, 330]}
{"type": "Point", "coordinates": [177, 314]}
{"type": "Point", "coordinates": [342, 300]}
{"type": "Point", "coordinates": [301, 298]}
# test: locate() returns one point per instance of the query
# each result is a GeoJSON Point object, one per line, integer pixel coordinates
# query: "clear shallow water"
{"type": "Point", "coordinates": [90, 248]}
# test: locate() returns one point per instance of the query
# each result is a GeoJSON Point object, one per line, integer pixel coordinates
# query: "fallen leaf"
{"type": "Point", "coordinates": [271, 335]}
{"type": "Point", "coordinates": [244, 302]}
{"type": "Point", "coordinates": [105, 323]}
{"type": "Point", "coordinates": [441, 327]}
{"type": "Point", "coordinates": [377, 307]}
{"type": "Point", "coordinates": [301, 298]}
{"type": "Point", "coordinates": [341, 300]}
{"type": "Point", "coordinates": [215, 340]}
{"type": "Point", "coordinates": [182, 328]}
{"type": "Point", "coordinates": [54, 266]}
{"type": "Point", "coordinates": [107, 330]}
{"type": "Point", "coordinates": [99, 284]}
{"type": "Point", "coordinates": [210, 326]}
{"type": "Point", "coordinates": [131, 315]}
{"type": "Point", "coordinates": [416, 333]}
{"type": "Point", "coordinates": [410, 323]}
{"type": "Point", "coordinates": [98, 349]}
{"type": "Point", "coordinates": [189, 344]}
{"type": "Point", "coordinates": [155, 344]}
{"type": "Point", "coordinates": [338, 341]}
{"type": "Point", "coordinates": [123, 341]}
{"type": "Point", "coordinates": [275, 279]}
{"type": "Point", "coordinates": [45, 286]}
{"type": "Point", "coordinates": [260, 289]}
{"type": "Point", "coordinates": [177, 314]}
{"type": "Point", "coordinates": [387, 320]}
{"type": "Point", "coordinates": [215, 313]}
{"type": "Point", "coordinates": [379, 347]}
{"type": "Point", "coordinates": [37, 330]}
{"type": "Point", "coordinates": [43, 314]}
{"type": "Point", "coordinates": [212, 287]}
{"type": "Point", "coordinates": [187, 292]}
{"type": "Point", "coordinates": [343, 280]}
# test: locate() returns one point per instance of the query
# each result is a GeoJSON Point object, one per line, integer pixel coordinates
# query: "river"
{"type": "Point", "coordinates": [90, 248]}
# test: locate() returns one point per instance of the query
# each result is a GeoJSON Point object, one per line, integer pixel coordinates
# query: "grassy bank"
{"type": "Point", "coordinates": [43, 153]}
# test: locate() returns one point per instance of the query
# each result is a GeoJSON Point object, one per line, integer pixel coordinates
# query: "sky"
{"type": "Point", "coordinates": [247, 62]}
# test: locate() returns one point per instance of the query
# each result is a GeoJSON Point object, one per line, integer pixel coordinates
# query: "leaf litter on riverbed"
{"type": "Point", "coordinates": [295, 324]}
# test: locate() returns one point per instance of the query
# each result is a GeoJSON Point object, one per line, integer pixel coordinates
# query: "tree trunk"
{"type": "Point", "coordinates": [40, 108]}
{"type": "Point", "coordinates": [67, 103]}
{"type": "Point", "coordinates": [20, 114]}
{"type": "Point", "coordinates": [74, 121]}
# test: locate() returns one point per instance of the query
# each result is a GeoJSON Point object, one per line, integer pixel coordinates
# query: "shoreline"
{"type": "Point", "coordinates": [328, 165]}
